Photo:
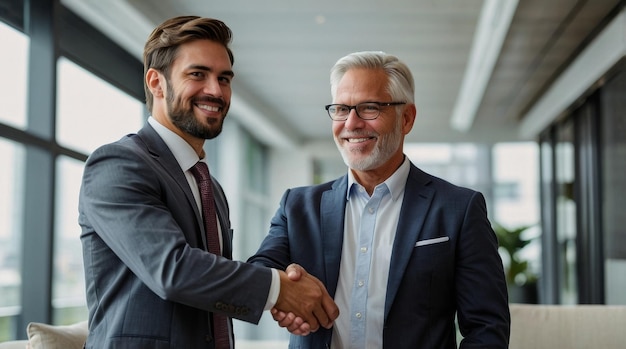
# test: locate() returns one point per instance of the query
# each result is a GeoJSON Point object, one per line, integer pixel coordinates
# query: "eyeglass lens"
{"type": "Point", "coordinates": [364, 110]}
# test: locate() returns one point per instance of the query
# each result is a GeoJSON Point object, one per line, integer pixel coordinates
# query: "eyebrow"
{"type": "Point", "coordinates": [209, 69]}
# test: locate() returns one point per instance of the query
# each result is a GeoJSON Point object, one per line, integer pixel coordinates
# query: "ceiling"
{"type": "Point", "coordinates": [479, 63]}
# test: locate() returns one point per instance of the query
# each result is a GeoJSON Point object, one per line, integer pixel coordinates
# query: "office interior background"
{"type": "Point", "coordinates": [523, 100]}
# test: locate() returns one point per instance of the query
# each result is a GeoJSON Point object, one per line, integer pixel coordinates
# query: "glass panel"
{"type": "Point", "coordinates": [458, 163]}
{"type": "Point", "coordinates": [255, 208]}
{"type": "Point", "coordinates": [614, 187]}
{"type": "Point", "coordinates": [516, 208]}
{"type": "Point", "coordinates": [91, 112]}
{"type": "Point", "coordinates": [566, 212]}
{"type": "Point", "coordinates": [11, 183]}
{"type": "Point", "coordinates": [68, 283]}
{"type": "Point", "coordinates": [515, 175]}
{"type": "Point", "coordinates": [256, 159]}
{"type": "Point", "coordinates": [13, 67]}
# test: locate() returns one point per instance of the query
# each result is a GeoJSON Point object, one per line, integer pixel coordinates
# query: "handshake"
{"type": "Point", "coordinates": [303, 304]}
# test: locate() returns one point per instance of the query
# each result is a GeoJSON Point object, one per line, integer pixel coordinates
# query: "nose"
{"type": "Point", "coordinates": [212, 87]}
{"type": "Point", "coordinates": [353, 121]}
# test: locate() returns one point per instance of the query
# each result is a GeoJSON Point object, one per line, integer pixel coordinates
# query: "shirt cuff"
{"type": "Point", "coordinates": [272, 297]}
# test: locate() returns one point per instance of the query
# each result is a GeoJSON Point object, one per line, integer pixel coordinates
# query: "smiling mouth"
{"type": "Point", "coordinates": [358, 140]}
{"type": "Point", "coordinates": [209, 108]}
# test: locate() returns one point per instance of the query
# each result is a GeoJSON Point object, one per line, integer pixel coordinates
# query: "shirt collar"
{"type": "Point", "coordinates": [395, 183]}
{"type": "Point", "coordinates": [183, 152]}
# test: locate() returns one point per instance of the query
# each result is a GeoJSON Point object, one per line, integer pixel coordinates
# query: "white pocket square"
{"type": "Point", "coordinates": [431, 241]}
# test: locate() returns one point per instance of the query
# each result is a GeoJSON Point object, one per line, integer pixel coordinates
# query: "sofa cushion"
{"type": "Point", "coordinates": [567, 326]}
{"type": "Point", "coordinates": [44, 336]}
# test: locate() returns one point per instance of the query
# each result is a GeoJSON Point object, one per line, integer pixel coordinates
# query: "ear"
{"type": "Point", "coordinates": [154, 81]}
{"type": "Point", "coordinates": [408, 118]}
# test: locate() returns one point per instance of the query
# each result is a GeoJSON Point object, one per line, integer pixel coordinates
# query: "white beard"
{"type": "Point", "coordinates": [385, 147]}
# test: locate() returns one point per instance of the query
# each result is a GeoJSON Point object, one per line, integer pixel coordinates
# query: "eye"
{"type": "Point", "coordinates": [342, 109]}
{"type": "Point", "coordinates": [225, 80]}
{"type": "Point", "coordinates": [197, 74]}
{"type": "Point", "coordinates": [369, 107]}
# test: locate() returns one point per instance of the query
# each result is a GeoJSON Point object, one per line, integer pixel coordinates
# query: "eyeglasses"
{"type": "Point", "coordinates": [366, 110]}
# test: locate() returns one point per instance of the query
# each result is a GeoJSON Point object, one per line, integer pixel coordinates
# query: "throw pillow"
{"type": "Point", "coordinates": [44, 336]}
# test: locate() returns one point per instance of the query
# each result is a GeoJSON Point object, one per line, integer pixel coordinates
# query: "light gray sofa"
{"type": "Point", "coordinates": [568, 326]}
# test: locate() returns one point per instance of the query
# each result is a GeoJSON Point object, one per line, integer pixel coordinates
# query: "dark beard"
{"type": "Point", "coordinates": [186, 121]}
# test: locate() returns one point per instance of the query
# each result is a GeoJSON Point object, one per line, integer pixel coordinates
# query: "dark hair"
{"type": "Point", "coordinates": [163, 43]}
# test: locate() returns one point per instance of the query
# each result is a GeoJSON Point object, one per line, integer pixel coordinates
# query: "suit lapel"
{"type": "Point", "coordinates": [332, 215]}
{"type": "Point", "coordinates": [163, 155]}
{"type": "Point", "coordinates": [415, 205]}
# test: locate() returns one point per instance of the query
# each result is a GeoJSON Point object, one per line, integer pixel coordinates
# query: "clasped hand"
{"type": "Point", "coordinates": [303, 304]}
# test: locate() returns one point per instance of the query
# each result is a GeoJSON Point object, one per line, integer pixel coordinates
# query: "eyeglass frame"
{"type": "Point", "coordinates": [350, 107]}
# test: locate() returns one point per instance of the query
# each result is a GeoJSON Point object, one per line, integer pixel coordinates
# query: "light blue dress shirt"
{"type": "Point", "coordinates": [369, 232]}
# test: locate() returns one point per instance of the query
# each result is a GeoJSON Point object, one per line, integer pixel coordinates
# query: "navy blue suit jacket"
{"type": "Point", "coordinates": [429, 283]}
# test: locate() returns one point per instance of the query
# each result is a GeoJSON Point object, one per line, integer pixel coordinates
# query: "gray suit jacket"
{"type": "Point", "coordinates": [150, 281]}
{"type": "Point", "coordinates": [444, 262]}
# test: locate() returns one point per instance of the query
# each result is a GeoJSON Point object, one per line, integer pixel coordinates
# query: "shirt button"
{"type": "Point", "coordinates": [363, 249]}
{"type": "Point", "coordinates": [358, 315]}
{"type": "Point", "coordinates": [361, 283]}
{"type": "Point", "coordinates": [371, 210]}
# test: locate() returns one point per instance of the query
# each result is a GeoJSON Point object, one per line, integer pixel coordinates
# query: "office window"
{"type": "Point", "coordinates": [516, 190]}
{"type": "Point", "coordinates": [11, 183]}
{"type": "Point", "coordinates": [256, 161]}
{"type": "Point", "coordinates": [463, 164]}
{"type": "Point", "coordinates": [13, 67]}
{"type": "Point", "coordinates": [613, 147]}
{"type": "Point", "coordinates": [91, 112]}
{"type": "Point", "coordinates": [566, 212]}
{"type": "Point", "coordinates": [68, 285]}
{"type": "Point", "coordinates": [253, 207]}
{"type": "Point", "coordinates": [516, 206]}
{"type": "Point", "coordinates": [255, 196]}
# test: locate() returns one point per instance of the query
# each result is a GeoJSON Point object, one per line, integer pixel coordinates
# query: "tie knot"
{"type": "Point", "coordinates": [201, 171]}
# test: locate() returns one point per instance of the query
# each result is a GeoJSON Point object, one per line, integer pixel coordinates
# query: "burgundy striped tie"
{"type": "Point", "coordinates": [201, 172]}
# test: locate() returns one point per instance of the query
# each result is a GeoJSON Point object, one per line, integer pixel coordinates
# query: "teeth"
{"type": "Point", "coordinates": [208, 107]}
{"type": "Point", "coordinates": [356, 140]}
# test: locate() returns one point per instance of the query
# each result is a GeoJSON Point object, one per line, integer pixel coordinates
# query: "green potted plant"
{"type": "Point", "coordinates": [521, 281]}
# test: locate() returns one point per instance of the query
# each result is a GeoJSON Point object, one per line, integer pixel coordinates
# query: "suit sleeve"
{"type": "Point", "coordinates": [482, 300]}
{"type": "Point", "coordinates": [140, 212]}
